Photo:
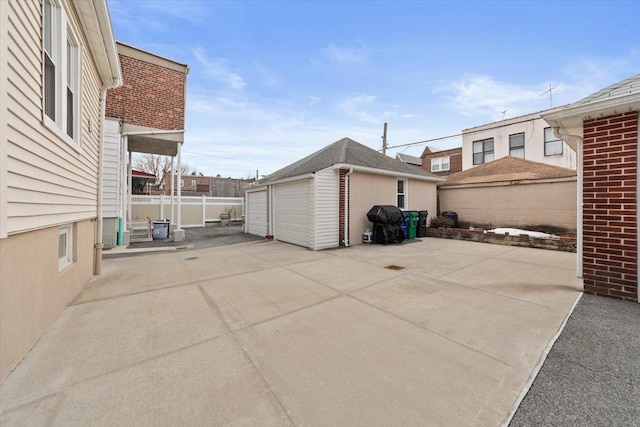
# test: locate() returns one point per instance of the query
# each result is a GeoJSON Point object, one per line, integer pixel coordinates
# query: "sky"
{"type": "Point", "coordinates": [272, 82]}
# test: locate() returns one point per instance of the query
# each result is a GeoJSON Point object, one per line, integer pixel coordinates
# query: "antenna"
{"type": "Point", "coordinates": [550, 94]}
{"type": "Point", "coordinates": [504, 112]}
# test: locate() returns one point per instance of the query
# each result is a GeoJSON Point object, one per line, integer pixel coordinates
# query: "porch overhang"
{"type": "Point", "coordinates": [148, 140]}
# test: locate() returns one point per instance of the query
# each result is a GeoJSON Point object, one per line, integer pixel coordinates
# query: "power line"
{"type": "Point", "coordinates": [460, 134]}
{"type": "Point", "coordinates": [208, 155]}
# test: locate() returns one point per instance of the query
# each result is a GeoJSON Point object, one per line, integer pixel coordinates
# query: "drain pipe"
{"type": "Point", "coordinates": [563, 134]}
{"type": "Point", "coordinates": [346, 208]}
{"type": "Point", "coordinates": [99, 245]}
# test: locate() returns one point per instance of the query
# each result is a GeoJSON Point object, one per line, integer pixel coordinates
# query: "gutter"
{"type": "Point", "coordinates": [561, 132]}
{"type": "Point", "coordinates": [99, 245]}
{"type": "Point", "coordinates": [366, 169]}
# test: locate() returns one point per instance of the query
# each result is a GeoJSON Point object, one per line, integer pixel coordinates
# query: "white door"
{"type": "Point", "coordinates": [292, 213]}
{"type": "Point", "coordinates": [257, 213]}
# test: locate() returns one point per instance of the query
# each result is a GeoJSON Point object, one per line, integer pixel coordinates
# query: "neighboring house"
{"type": "Point", "coordinates": [322, 201]}
{"type": "Point", "coordinates": [196, 185]}
{"type": "Point", "coordinates": [442, 162]}
{"type": "Point", "coordinates": [512, 192]}
{"type": "Point", "coordinates": [603, 129]}
{"type": "Point", "coordinates": [145, 115]}
{"type": "Point", "coordinates": [142, 182]}
{"type": "Point", "coordinates": [57, 59]}
{"type": "Point", "coordinates": [408, 159]}
{"type": "Point", "coordinates": [528, 137]}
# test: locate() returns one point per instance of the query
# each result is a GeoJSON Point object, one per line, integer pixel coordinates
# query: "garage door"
{"type": "Point", "coordinates": [292, 214]}
{"type": "Point", "coordinates": [257, 213]}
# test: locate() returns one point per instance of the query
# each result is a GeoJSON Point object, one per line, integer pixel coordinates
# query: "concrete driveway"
{"type": "Point", "coordinates": [267, 333]}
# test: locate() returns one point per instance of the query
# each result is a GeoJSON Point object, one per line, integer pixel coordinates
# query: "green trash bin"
{"type": "Point", "coordinates": [412, 225]}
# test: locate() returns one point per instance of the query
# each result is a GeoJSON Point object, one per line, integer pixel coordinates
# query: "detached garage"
{"type": "Point", "coordinates": [321, 201]}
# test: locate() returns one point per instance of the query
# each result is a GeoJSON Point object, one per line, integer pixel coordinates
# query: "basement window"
{"type": "Point", "coordinates": [65, 247]}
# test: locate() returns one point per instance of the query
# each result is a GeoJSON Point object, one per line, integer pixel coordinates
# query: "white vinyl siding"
{"type": "Point", "coordinates": [327, 209]}
{"type": "Point", "coordinates": [112, 171]}
{"type": "Point", "coordinates": [48, 182]}
{"type": "Point", "coordinates": [256, 215]}
{"type": "Point", "coordinates": [292, 212]}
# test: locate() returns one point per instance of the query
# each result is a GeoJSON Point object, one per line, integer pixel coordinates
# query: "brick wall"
{"type": "Point", "coordinates": [150, 95]}
{"type": "Point", "coordinates": [455, 160]}
{"type": "Point", "coordinates": [610, 163]}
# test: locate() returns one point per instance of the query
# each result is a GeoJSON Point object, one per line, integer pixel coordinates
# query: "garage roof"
{"type": "Point", "coordinates": [508, 169]}
{"type": "Point", "coordinates": [349, 153]}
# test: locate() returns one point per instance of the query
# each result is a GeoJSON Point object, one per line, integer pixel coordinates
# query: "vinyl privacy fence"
{"type": "Point", "coordinates": [196, 210]}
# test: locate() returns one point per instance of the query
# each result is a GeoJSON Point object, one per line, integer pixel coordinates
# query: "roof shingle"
{"type": "Point", "coordinates": [349, 152]}
{"type": "Point", "coordinates": [508, 169]}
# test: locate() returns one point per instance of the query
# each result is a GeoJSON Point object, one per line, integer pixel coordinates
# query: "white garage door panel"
{"type": "Point", "coordinates": [257, 213]}
{"type": "Point", "coordinates": [292, 213]}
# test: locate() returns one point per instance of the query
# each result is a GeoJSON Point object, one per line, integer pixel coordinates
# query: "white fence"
{"type": "Point", "coordinates": [196, 211]}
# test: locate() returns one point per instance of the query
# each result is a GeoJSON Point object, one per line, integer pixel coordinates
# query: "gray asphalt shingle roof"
{"type": "Point", "coordinates": [621, 88]}
{"type": "Point", "coordinates": [349, 152]}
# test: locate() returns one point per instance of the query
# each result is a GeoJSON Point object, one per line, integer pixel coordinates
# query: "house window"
{"type": "Point", "coordinates": [482, 151]}
{"type": "Point", "coordinates": [516, 145]}
{"type": "Point", "coordinates": [440, 164]}
{"type": "Point", "coordinates": [402, 194]}
{"type": "Point", "coordinates": [65, 246]}
{"type": "Point", "coordinates": [181, 183]}
{"type": "Point", "coordinates": [193, 182]}
{"type": "Point", "coordinates": [61, 82]}
{"type": "Point", "coordinates": [552, 145]}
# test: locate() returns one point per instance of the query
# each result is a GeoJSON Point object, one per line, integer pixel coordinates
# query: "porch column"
{"type": "Point", "coordinates": [178, 233]}
{"type": "Point", "coordinates": [173, 179]}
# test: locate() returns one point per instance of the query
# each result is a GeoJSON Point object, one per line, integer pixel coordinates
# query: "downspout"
{"type": "Point", "coordinates": [346, 208]}
{"type": "Point", "coordinates": [99, 245]}
{"type": "Point", "coordinates": [563, 134]}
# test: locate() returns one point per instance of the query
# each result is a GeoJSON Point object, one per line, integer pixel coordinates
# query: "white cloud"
{"type": "Point", "coordinates": [483, 96]}
{"type": "Point", "coordinates": [345, 54]}
{"type": "Point", "coordinates": [480, 95]}
{"type": "Point", "coordinates": [367, 109]}
{"type": "Point", "coordinates": [217, 68]}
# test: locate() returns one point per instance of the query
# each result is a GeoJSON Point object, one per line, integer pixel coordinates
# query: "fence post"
{"type": "Point", "coordinates": [204, 209]}
{"type": "Point", "coordinates": [161, 207]}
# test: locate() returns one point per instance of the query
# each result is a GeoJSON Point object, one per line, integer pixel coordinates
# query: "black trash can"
{"type": "Point", "coordinates": [453, 216]}
{"type": "Point", "coordinates": [422, 224]}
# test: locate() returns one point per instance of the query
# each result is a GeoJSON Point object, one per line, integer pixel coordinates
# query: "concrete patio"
{"type": "Point", "coordinates": [266, 333]}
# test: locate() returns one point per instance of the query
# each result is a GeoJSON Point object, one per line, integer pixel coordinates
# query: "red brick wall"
{"type": "Point", "coordinates": [341, 202]}
{"type": "Point", "coordinates": [610, 259]}
{"type": "Point", "coordinates": [455, 161]}
{"type": "Point", "coordinates": [150, 95]}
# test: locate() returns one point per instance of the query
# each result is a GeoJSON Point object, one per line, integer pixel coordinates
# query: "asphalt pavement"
{"type": "Point", "coordinates": [591, 376]}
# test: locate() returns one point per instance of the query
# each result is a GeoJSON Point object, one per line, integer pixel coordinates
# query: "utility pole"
{"type": "Point", "coordinates": [384, 139]}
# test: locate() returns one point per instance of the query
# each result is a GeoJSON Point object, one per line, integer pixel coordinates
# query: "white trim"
{"type": "Point", "coordinates": [67, 259]}
{"type": "Point", "coordinates": [404, 194]}
{"type": "Point", "coordinates": [290, 179]}
{"type": "Point", "coordinates": [375, 171]}
{"type": "Point", "coordinates": [439, 162]}
{"type": "Point", "coordinates": [63, 34]}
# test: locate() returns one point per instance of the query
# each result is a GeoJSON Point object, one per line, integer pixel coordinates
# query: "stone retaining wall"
{"type": "Point", "coordinates": [565, 244]}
